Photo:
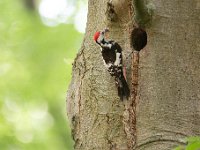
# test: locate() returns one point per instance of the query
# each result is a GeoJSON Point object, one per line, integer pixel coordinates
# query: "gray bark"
{"type": "Point", "coordinates": [168, 99]}
{"type": "Point", "coordinates": [168, 108]}
{"type": "Point", "coordinates": [94, 108]}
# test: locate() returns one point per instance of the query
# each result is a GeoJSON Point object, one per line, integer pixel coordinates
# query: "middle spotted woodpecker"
{"type": "Point", "coordinates": [112, 57]}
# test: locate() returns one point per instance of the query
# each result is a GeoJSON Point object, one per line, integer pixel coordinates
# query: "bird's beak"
{"type": "Point", "coordinates": [106, 31]}
{"type": "Point", "coordinates": [106, 35]}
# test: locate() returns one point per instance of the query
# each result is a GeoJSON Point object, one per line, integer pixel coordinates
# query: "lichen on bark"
{"type": "Point", "coordinates": [143, 12]}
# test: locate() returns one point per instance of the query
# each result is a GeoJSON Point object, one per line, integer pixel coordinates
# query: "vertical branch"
{"type": "Point", "coordinates": [30, 4]}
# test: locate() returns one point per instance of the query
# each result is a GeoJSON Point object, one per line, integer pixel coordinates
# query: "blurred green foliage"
{"type": "Point", "coordinates": [35, 70]}
{"type": "Point", "coordinates": [193, 144]}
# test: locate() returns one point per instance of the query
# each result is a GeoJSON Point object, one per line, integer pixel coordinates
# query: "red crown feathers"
{"type": "Point", "coordinates": [96, 35]}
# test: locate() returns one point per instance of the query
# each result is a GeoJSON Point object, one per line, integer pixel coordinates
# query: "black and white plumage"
{"type": "Point", "coordinates": [112, 57]}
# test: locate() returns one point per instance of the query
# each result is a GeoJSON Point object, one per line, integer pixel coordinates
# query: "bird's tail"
{"type": "Point", "coordinates": [122, 86]}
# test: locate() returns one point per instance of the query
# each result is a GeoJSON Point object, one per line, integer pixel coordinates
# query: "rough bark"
{"type": "Point", "coordinates": [168, 105]}
{"type": "Point", "coordinates": [99, 120]}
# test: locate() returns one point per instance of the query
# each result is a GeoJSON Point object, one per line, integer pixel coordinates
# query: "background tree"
{"type": "Point", "coordinates": [167, 102]}
{"type": "Point", "coordinates": [35, 67]}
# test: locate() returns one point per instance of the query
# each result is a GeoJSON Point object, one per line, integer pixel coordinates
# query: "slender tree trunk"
{"type": "Point", "coordinates": [167, 98]}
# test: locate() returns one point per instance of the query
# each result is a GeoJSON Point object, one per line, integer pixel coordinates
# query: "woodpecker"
{"type": "Point", "coordinates": [112, 58]}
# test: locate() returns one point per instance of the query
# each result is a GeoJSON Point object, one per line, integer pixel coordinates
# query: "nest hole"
{"type": "Point", "coordinates": [138, 39]}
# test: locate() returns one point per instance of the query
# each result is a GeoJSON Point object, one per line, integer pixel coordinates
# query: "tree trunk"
{"type": "Point", "coordinates": [168, 108]}
{"type": "Point", "coordinates": [168, 105]}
